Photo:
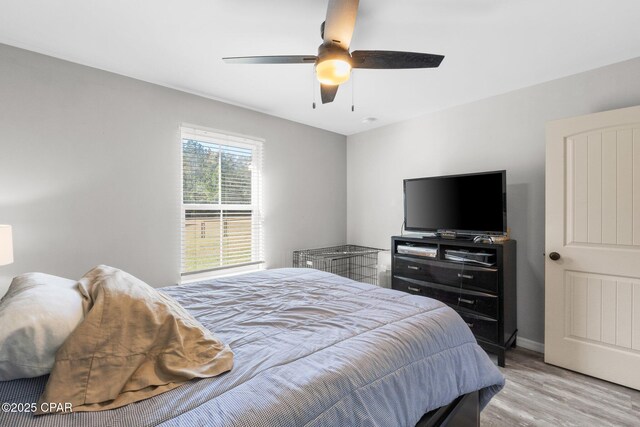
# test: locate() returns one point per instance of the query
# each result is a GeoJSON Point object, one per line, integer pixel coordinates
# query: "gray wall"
{"type": "Point", "coordinates": [90, 171]}
{"type": "Point", "coordinates": [503, 132]}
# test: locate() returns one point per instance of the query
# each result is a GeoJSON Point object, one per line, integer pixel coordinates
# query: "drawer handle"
{"type": "Point", "coordinates": [413, 267]}
{"type": "Point", "coordinates": [470, 325]}
{"type": "Point", "coordinates": [465, 276]}
{"type": "Point", "coordinates": [413, 289]}
{"type": "Point", "coordinates": [466, 301]}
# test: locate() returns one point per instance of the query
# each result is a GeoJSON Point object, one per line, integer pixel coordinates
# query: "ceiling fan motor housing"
{"type": "Point", "coordinates": [332, 51]}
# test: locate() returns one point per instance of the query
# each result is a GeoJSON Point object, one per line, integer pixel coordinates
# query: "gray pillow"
{"type": "Point", "coordinates": [37, 314]}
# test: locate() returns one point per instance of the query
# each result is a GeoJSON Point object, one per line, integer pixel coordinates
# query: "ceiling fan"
{"type": "Point", "coordinates": [334, 62]}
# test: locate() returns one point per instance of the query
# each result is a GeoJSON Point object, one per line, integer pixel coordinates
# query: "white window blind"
{"type": "Point", "coordinates": [221, 201]}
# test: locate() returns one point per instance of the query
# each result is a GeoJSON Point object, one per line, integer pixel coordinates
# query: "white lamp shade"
{"type": "Point", "coordinates": [6, 245]}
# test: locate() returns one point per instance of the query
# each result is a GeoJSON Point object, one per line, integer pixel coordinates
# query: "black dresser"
{"type": "Point", "coordinates": [483, 295]}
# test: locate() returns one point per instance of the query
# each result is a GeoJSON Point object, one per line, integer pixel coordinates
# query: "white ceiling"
{"type": "Point", "coordinates": [490, 47]}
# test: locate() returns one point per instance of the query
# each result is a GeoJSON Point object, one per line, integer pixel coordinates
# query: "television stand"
{"type": "Point", "coordinates": [477, 280]}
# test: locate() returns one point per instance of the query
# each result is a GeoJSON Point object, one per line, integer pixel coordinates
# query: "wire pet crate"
{"type": "Point", "coordinates": [359, 263]}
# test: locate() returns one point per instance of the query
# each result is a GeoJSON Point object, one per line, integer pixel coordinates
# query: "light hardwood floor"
{"type": "Point", "coordinates": [537, 394]}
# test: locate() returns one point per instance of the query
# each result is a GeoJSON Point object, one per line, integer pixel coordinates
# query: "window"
{"type": "Point", "coordinates": [221, 201]}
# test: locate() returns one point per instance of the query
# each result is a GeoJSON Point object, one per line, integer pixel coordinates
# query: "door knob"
{"type": "Point", "coordinates": [554, 256]}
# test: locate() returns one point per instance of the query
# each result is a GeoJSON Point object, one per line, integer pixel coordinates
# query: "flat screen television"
{"type": "Point", "coordinates": [467, 204]}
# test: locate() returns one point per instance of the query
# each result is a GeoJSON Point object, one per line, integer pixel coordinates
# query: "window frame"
{"type": "Point", "coordinates": [223, 138]}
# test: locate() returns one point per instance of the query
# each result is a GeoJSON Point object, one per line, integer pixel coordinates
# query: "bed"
{"type": "Point", "coordinates": [311, 349]}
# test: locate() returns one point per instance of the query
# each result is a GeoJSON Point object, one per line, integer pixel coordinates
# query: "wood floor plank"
{"type": "Point", "coordinates": [537, 394]}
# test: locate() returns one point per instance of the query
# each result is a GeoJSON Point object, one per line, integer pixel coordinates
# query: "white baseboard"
{"type": "Point", "coordinates": [530, 345]}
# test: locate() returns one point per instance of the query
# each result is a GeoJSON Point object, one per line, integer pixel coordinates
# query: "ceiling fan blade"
{"type": "Point", "coordinates": [388, 59]}
{"type": "Point", "coordinates": [282, 59]}
{"type": "Point", "coordinates": [340, 22]}
{"type": "Point", "coordinates": [328, 92]}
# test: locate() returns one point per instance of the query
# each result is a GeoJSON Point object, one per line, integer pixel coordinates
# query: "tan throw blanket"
{"type": "Point", "coordinates": [134, 343]}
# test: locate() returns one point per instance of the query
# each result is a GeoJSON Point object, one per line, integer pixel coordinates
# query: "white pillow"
{"type": "Point", "coordinates": [37, 314]}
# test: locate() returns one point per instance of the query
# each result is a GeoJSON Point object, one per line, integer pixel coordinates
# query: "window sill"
{"type": "Point", "coordinates": [227, 272]}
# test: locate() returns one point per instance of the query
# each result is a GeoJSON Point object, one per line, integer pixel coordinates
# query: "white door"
{"type": "Point", "coordinates": [592, 292]}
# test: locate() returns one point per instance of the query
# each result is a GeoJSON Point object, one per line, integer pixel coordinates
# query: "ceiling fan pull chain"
{"type": "Point", "coordinates": [353, 80]}
{"type": "Point", "coordinates": [313, 87]}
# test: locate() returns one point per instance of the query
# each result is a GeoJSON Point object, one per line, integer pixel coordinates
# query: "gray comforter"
{"type": "Point", "coordinates": [311, 349]}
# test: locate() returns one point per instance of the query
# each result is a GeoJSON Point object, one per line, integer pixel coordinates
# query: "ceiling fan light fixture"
{"type": "Point", "coordinates": [333, 71]}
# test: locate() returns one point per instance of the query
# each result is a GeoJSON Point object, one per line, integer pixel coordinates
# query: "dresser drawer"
{"type": "Point", "coordinates": [481, 327]}
{"type": "Point", "coordinates": [481, 303]}
{"type": "Point", "coordinates": [412, 267]}
{"type": "Point", "coordinates": [448, 273]}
